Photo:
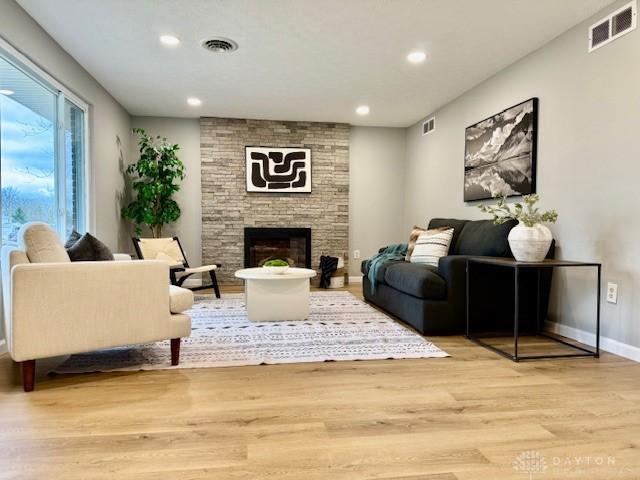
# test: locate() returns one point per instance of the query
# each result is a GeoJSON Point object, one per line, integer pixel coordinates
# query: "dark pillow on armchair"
{"type": "Point", "coordinates": [484, 238]}
{"type": "Point", "coordinates": [89, 249]}
{"type": "Point", "coordinates": [73, 238]}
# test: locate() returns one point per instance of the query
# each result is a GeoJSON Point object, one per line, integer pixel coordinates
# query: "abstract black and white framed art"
{"type": "Point", "coordinates": [500, 153]}
{"type": "Point", "coordinates": [278, 170]}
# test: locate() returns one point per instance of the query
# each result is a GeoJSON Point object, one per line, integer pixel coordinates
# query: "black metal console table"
{"type": "Point", "coordinates": [538, 266]}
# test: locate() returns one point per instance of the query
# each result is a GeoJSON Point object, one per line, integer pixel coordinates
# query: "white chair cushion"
{"type": "Point", "coordinates": [41, 244]}
{"type": "Point", "coordinates": [172, 262]}
{"type": "Point", "coordinates": [161, 249]}
{"type": "Point", "coordinates": [180, 299]}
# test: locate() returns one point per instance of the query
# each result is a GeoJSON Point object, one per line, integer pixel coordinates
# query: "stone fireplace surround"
{"type": "Point", "coordinates": [227, 208]}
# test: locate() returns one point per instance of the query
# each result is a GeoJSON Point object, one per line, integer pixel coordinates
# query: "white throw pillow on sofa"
{"type": "Point", "coordinates": [431, 245]}
{"type": "Point", "coordinates": [41, 244]}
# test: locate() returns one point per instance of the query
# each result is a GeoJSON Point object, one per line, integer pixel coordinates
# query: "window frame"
{"type": "Point", "coordinates": [30, 68]}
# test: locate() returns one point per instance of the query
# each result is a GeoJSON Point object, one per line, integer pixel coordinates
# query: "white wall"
{"type": "Point", "coordinates": [186, 133]}
{"type": "Point", "coordinates": [588, 165]}
{"type": "Point", "coordinates": [376, 176]}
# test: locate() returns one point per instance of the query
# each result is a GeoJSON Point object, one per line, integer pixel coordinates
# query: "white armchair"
{"type": "Point", "coordinates": [62, 307]}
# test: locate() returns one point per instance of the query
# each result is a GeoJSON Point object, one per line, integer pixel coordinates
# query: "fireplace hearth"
{"type": "Point", "coordinates": [290, 244]}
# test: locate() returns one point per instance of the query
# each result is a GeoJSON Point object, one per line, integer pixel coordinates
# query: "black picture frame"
{"type": "Point", "coordinates": [511, 175]}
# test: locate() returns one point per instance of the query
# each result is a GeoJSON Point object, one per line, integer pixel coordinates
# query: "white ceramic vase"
{"type": "Point", "coordinates": [530, 244]}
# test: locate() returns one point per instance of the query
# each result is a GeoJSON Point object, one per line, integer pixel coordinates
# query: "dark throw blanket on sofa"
{"type": "Point", "coordinates": [396, 252]}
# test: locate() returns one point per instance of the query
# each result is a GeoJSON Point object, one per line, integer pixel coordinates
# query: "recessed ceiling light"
{"type": "Point", "coordinates": [169, 40]}
{"type": "Point", "coordinates": [362, 110]}
{"type": "Point", "coordinates": [417, 57]}
{"type": "Point", "coordinates": [194, 102]}
{"type": "Point", "coordinates": [6, 91]}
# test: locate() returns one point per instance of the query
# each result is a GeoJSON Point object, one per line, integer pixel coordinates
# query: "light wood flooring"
{"type": "Point", "coordinates": [467, 417]}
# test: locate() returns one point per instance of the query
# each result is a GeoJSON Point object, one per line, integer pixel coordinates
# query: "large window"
{"type": "Point", "coordinates": [42, 152]}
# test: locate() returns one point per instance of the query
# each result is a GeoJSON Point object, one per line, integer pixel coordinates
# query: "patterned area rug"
{"type": "Point", "coordinates": [340, 327]}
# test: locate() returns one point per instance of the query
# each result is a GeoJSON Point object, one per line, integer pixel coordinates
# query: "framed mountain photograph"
{"type": "Point", "coordinates": [500, 153]}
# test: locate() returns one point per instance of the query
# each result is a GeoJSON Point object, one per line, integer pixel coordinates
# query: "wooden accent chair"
{"type": "Point", "coordinates": [55, 307]}
{"type": "Point", "coordinates": [170, 250]}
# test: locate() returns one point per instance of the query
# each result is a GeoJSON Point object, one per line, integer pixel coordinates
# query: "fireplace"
{"type": "Point", "coordinates": [290, 244]}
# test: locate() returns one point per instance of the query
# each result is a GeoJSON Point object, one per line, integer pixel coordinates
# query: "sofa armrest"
{"type": "Point", "coordinates": [453, 268]}
{"type": "Point", "coordinates": [65, 308]}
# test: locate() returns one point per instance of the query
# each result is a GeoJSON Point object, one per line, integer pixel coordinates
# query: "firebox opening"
{"type": "Point", "coordinates": [290, 244]}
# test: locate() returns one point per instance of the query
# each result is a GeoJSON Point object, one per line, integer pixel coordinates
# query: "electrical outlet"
{"type": "Point", "coordinates": [356, 254]}
{"type": "Point", "coordinates": [612, 292]}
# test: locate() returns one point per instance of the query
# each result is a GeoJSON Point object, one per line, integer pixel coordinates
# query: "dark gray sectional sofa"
{"type": "Point", "coordinates": [433, 299]}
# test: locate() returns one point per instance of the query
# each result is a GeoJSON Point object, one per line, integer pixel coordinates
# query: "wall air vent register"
{"type": "Point", "coordinates": [612, 27]}
{"type": "Point", "coordinates": [429, 126]}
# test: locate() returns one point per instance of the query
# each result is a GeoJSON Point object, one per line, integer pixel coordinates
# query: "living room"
{"type": "Point", "coordinates": [319, 239]}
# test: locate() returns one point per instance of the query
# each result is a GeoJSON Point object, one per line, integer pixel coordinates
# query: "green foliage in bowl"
{"type": "Point", "coordinates": [275, 263]}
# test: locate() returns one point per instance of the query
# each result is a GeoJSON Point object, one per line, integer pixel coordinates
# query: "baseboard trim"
{"type": "Point", "coordinates": [607, 344]}
{"type": "Point", "coordinates": [357, 279]}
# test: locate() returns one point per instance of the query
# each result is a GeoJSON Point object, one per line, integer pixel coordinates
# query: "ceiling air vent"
{"type": "Point", "coordinates": [429, 126]}
{"type": "Point", "coordinates": [219, 45]}
{"type": "Point", "coordinates": [608, 29]}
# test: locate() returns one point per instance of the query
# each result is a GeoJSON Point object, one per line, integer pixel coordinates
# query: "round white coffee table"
{"type": "Point", "coordinates": [273, 297]}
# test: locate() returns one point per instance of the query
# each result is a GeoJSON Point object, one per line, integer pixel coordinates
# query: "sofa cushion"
{"type": "Point", "coordinates": [180, 299]}
{"type": "Point", "coordinates": [364, 268]}
{"type": "Point", "coordinates": [41, 244]}
{"type": "Point", "coordinates": [484, 238]}
{"type": "Point", "coordinates": [457, 226]}
{"type": "Point", "coordinates": [416, 279]}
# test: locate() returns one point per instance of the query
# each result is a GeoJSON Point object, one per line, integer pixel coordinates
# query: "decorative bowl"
{"type": "Point", "coordinates": [276, 270]}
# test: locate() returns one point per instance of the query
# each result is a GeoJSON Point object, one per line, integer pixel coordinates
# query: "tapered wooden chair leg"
{"type": "Point", "coordinates": [28, 375]}
{"type": "Point", "coordinates": [175, 351]}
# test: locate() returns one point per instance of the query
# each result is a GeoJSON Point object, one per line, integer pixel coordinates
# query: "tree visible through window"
{"type": "Point", "coordinates": [41, 155]}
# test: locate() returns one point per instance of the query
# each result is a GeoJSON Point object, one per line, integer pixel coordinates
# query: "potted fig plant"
{"type": "Point", "coordinates": [530, 239]}
{"type": "Point", "coordinates": [156, 178]}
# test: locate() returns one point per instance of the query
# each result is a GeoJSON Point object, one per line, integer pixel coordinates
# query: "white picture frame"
{"type": "Point", "coordinates": [278, 169]}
